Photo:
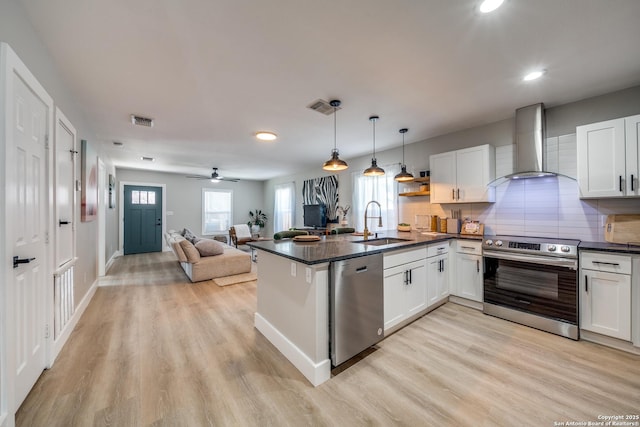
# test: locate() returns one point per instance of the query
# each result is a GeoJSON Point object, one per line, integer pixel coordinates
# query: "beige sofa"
{"type": "Point", "coordinates": [198, 268]}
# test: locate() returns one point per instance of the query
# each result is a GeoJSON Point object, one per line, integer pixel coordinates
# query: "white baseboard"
{"type": "Point", "coordinates": [609, 341]}
{"type": "Point", "coordinates": [466, 302]}
{"type": "Point", "coordinates": [316, 373]}
{"type": "Point", "coordinates": [115, 255]}
{"type": "Point", "coordinates": [4, 420]}
{"type": "Point", "coordinates": [66, 332]}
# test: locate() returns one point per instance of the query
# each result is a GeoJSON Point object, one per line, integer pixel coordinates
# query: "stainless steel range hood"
{"type": "Point", "coordinates": [530, 160]}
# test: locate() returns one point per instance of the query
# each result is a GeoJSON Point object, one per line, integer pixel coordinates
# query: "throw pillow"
{"type": "Point", "coordinates": [188, 234]}
{"type": "Point", "coordinates": [190, 251]}
{"type": "Point", "coordinates": [208, 247]}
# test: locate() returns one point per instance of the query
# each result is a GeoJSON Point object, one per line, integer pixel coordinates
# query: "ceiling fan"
{"type": "Point", "coordinates": [214, 177]}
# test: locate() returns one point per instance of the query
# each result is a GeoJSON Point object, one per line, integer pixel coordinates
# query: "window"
{"type": "Point", "coordinates": [284, 206]}
{"type": "Point", "coordinates": [217, 211]}
{"type": "Point", "coordinates": [143, 197]}
{"type": "Point", "coordinates": [383, 190]}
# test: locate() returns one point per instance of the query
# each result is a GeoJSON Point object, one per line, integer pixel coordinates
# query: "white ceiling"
{"type": "Point", "coordinates": [213, 72]}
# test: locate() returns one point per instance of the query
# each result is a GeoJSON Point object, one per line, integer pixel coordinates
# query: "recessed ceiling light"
{"type": "Point", "coordinates": [266, 136]}
{"type": "Point", "coordinates": [490, 5]}
{"type": "Point", "coordinates": [533, 75]}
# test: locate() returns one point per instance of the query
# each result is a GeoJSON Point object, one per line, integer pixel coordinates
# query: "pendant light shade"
{"type": "Point", "coordinates": [334, 163]}
{"type": "Point", "coordinates": [374, 170]}
{"type": "Point", "coordinates": [403, 176]}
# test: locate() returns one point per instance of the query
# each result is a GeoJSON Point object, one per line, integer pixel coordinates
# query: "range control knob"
{"type": "Point", "coordinates": [489, 242]}
{"type": "Point", "coordinates": [499, 243]}
{"type": "Point", "coordinates": [565, 249]}
{"type": "Point", "coordinates": [551, 248]}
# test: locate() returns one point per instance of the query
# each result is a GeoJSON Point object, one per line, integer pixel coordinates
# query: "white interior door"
{"type": "Point", "coordinates": [29, 121]}
{"type": "Point", "coordinates": [64, 190]}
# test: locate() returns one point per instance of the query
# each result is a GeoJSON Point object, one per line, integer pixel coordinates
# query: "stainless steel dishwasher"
{"type": "Point", "coordinates": [357, 306]}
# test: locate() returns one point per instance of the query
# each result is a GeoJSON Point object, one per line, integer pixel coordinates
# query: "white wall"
{"type": "Point", "coordinates": [548, 207]}
{"type": "Point", "coordinates": [184, 197]}
{"type": "Point", "coordinates": [16, 30]}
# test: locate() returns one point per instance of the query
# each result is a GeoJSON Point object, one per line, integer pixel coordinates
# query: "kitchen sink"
{"type": "Point", "coordinates": [382, 241]}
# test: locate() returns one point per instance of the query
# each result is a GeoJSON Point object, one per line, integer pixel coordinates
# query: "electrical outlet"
{"type": "Point", "coordinates": [293, 269]}
{"type": "Point", "coordinates": [307, 274]}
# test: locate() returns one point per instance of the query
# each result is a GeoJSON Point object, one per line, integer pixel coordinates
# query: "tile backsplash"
{"type": "Point", "coordinates": [542, 207]}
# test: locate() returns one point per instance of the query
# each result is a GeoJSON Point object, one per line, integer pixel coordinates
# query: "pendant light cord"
{"type": "Point", "coordinates": [335, 132]}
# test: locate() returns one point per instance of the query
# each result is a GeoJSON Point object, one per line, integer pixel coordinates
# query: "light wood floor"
{"type": "Point", "coordinates": [155, 350]}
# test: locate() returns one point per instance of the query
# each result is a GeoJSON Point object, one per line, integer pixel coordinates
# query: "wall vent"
{"type": "Point", "coordinates": [141, 121]}
{"type": "Point", "coordinates": [322, 106]}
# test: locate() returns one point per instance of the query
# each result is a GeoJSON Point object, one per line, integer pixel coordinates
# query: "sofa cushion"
{"type": "Point", "coordinates": [208, 247]}
{"type": "Point", "coordinates": [177, 249]}
{"type": "Point", "coordinates": [190, 251]}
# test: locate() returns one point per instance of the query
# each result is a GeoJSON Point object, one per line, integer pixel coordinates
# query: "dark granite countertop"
{"type": "Point", "coordinates": [610, 247]}
{"type": "Point", "coordinates": [343, 246]}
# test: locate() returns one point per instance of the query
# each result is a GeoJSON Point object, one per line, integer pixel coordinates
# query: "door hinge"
{"type": "Point", "coordinates": [46, 237]}
{"type": "Point", "coordinates": [46, 331]}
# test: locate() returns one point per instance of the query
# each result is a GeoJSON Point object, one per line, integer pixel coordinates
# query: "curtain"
{"type": "Point", "coordinates": [284, 206]}
{"type": "Point", "coordinates": [383, 189]}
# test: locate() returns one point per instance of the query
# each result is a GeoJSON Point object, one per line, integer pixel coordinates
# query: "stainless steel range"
{"type": "Point", "coordinates": [532, 281]}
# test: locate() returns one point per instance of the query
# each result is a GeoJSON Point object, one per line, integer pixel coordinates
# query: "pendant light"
{"type": "Point", "coordinates": [374, 170]}
{"type": "Point", "coordinates": [334, 163]}
{"type": "Point", "coordinates": [403, 176]}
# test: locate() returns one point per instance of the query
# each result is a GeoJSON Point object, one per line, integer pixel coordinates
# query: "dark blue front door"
{"type": "Point", "coordinates": [142, 219]}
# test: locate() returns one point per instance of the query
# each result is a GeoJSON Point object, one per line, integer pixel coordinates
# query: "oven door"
{"type": "Point", "coordinates": [545, 286]}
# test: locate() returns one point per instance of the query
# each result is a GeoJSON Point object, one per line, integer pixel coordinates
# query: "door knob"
{"type": "Point", "coordinates": [17, 261]}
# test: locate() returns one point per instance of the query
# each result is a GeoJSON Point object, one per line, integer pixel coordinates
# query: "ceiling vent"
{"type": "Point", "coordinates": [141, 121]}
{"type": "Point", "coordinates": [322, 106]}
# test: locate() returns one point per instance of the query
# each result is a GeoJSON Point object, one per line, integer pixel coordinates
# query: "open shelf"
{"type": "Point", "coordinates": [414, 193]}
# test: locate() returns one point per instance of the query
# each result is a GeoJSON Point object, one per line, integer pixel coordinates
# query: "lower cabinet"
{"type": "Point", "coordinates": [405, 285]}
{"type": "Point", "coordinates": [437, 273]}
{"type": "Point", "coordinates": [469, 271]}
{"type": "Point", "coordinates": [605, 294]}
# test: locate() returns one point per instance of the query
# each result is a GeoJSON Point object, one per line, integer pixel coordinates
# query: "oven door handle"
{"type": "Point", "coordinates": [533, 259]}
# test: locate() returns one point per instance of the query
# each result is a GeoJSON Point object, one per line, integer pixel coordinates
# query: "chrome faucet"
{"type": "Point", "coordinates": [366, 230]}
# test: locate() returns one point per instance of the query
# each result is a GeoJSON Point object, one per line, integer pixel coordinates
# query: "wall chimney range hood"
{"type": "Point", "coordinates": [530, 158]}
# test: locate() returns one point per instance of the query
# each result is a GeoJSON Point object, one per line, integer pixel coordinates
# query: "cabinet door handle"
{"type": "Point", "coordinates": [410, 276]}
{"type": "Point", "coordinates": [632, 182]}
{"type": "Point", "coordinates": [586, 283]}
{"type": "Point", "coordinates": [468, 247]}
{"type": "Point", "coordinates": [620, 182]}
{"type": "Point", "coordinates": [478, 265]}
{"type": "Point", "coordinates": [453, 193]}
{"type": "Point", "coordinates": [614, 264]}
{"type": "Point", "coordinates": [406, 277]}
{"type": "Point", "coordinates": [458, 194]}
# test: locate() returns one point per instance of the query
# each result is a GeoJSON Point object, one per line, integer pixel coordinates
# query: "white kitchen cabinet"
{"type": "Point", "coordinates": [609, 158]}
{"type": "Point", "coordinates": [469, 271]}
{"type": "Point", "coordinates": [437, 273]}
{"type": "Point", "coordinates": [462, 176]}
{"type": "Point", "coordinates": [605, 294]}
{"type": "Point", "coordinates": [405, 285]}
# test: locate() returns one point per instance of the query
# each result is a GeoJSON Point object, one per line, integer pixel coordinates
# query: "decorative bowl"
{"type": "Point", "coordinates": [404, 228]}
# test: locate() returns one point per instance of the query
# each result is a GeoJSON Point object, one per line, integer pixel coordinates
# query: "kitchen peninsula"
{"type": "Point", "coordinates": [293, 294]}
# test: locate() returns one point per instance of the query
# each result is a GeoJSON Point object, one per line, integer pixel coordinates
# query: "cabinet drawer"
{"type": "Point", "coordinates": [603, 261]}
{"type": "Point", "coordinates": [403, 256]}
{"type": "Point", "coordinates": [438, 249]}
{"type": "Point", "coordinates": [469, 247]}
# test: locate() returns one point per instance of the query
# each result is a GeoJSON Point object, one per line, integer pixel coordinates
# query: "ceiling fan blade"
{"type": "Point", "coordinates": [198, 177]}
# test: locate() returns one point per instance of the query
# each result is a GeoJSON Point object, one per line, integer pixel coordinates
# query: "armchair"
{"type": "Point", "coordinates": [240, 234]}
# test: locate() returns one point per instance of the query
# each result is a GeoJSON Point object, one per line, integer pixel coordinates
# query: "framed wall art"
{"type": "Point", "coordinates": [89, 175]}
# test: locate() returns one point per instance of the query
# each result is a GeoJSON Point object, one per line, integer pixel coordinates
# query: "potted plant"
{"type": "Point", "coordinates": [257, 220]}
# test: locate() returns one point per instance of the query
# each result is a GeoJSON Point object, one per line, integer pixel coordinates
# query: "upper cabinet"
{"type": "Point", "coordinates": [609, 158]}
{"type": "Point", "coordinates": [462, 176]}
